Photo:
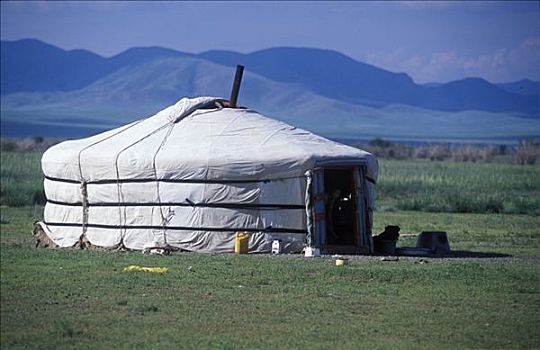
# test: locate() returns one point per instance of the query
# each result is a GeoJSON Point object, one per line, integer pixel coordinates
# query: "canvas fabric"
{"type": "Point", "coordinates": [188, 178]}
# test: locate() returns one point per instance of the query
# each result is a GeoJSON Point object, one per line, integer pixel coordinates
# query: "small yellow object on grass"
{"type": "Point", "coordinates": [146, 269]}
{"type": "Point", "coordinates": [341, 262]}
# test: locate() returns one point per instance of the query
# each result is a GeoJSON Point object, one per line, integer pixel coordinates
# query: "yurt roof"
{"type": "Point", "coordinates": [185, 142]}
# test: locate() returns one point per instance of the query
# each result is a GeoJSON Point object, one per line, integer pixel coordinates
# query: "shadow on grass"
{"type": "Point", "coordinates": [459, 254]}
{"type": "Point", "coordinates": [471, 254]}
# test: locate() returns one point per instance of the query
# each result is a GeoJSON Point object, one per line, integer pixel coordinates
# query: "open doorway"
{"type": "Point", "coordinates": [340, 202]}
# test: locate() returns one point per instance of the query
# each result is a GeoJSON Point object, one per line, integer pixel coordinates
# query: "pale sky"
{"type": "Point", "coordinates": [430, 41]}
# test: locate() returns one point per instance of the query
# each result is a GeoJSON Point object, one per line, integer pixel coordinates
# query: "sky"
{"type": "Point", "coordinates": [431, 41]}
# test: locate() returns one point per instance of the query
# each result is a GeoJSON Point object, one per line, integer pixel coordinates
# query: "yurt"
{"type": "Point", "coordinates": [197, 173]}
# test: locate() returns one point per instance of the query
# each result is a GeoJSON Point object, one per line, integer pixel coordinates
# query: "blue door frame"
{"type": "Point", "coordinates": [318, 202]}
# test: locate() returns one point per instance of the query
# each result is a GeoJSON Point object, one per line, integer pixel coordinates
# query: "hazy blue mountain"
{"type": "Point", "coordinates": [139, 55]}
{"type": "Point", "coordinates": [52, 92]}
{"type": "Point", "coordinates": [477, 94]}
{"type": "Point", "coordinates": [139, 90]}
{"type": "Point", "coordinates": [432, 84]}
{"type": "Point", "coordinates": [524, 87]}
{"type": "Point", "coordinates": [31, 65]}
{"type": "Point", "coordinates": [337, 76]}
{"type": "Point", "coordinates": [325, 72]}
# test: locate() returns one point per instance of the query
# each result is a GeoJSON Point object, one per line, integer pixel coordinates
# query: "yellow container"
{"type": "Point", "coordinates": [241, 241]}
{"type": "Point", "coordinates": [341, 262]}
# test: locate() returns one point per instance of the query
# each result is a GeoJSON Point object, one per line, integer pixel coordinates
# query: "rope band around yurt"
{"type": "Point", "coordinates": [182, 228]}
{"type": "Point", "coordinates": [224, 205]}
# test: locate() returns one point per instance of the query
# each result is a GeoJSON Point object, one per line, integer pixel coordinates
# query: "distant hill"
{"type": "Point", "coordinates": [523, 87]}
{"type": "Point", "coordinates": [478, 94]}
{"type": "Point", "coordinates": [325, 72]}
{"type": "Point", "coordinates": [48, 91]}
{"type": "Point", "coordinates": [337, 76]}
{"type": "Point", "coordinates": [141, 90]}
{"type": "Point", "coordinates": [31, 65]}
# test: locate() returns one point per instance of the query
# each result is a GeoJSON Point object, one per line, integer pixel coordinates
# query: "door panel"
{"type": "Point", "coordinates": [319, 208]}
{"type": "Point", "coordinates": [360, 206]}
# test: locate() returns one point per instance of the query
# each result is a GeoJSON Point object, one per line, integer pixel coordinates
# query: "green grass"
{"type": "Point", "coordinates": [458, 187]}
{"type": "Point", "coordinates": [21, 179]}
{"type": "Point", "coordinates": [72, 299]}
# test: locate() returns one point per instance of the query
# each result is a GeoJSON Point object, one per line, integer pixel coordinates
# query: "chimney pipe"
{"type": "Point", "coordinates": [236, 86]}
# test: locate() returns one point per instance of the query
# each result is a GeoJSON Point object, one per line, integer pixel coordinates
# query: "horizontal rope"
{"type": "Point", "coordinates": [179, 228]}
{"type": "Point", "coordinates": [184, 204]}
{"type": "Point", "coordinates": [195, 181]}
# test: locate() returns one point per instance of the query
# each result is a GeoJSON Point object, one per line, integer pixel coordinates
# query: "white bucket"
{"type": "Point", "coordinates": [311, 252]}
{"type": "Point", "coordinates": [276, 247]}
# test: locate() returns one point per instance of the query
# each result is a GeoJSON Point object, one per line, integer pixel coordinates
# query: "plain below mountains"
{"type": "Point", "coordinates": [48, 91]}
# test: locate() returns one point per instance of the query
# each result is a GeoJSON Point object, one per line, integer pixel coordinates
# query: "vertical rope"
{"type": "Point", "coordinates": [123, 220]}
{"type": "Point", "coordinates": [309, 208]}
{"type": "Point", "coordinates": [84, 189]}
{"type": "Point", "coordinates": [120, 200]}
{"type": "Point", "coordinates": [163, 218]}
{"type": "Point", "coordinates": [84, 193]}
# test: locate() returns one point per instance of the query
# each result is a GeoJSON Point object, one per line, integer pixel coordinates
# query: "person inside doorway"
{"type": "Point", "coordinates": [332, 215]}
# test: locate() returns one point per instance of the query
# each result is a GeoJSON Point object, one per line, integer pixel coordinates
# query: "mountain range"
{"type": "Point", "coordinates": [320, 90]}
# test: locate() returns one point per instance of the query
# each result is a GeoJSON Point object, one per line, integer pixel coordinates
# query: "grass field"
{"type": "Point", "coordinates": [21, 178]}
{"type": "Point", "coordinates": [487, 298]}
{"type": "Point", "coordinates": [72, 299]}
{"type": "Point", "coordinates": [458, 187]}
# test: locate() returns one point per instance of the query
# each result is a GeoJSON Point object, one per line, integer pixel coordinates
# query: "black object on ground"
{"type": "Point", "coordinates": [435, 241]}
{"type": "Point", "coordinates": [385, 242]}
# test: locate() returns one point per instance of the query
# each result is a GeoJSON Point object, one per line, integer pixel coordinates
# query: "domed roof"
{"type": "Point", "coordinates": [186, 142]}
